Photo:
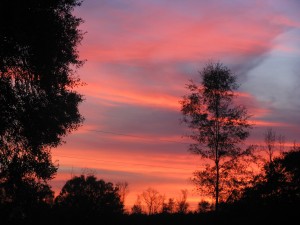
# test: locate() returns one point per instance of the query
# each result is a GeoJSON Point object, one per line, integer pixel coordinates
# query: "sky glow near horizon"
{"type": "Point", "coordinates": [140, 55]}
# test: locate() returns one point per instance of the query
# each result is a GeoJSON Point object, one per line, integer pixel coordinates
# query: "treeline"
{"type": "Point", "coordinates": [273, 195]}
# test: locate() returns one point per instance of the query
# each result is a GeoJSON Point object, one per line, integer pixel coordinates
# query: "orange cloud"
{"type": "Point", "coordinates": [270, 124]}
{"type": "Point", "coordinates": [123, 94]}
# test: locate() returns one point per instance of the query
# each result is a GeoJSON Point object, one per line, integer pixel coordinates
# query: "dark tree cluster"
{"type": "Point", "coordinates": [86, 199]}
{"type": "Point", "coordinates": [83, 199]}
{"type": "Point", "coordinates": [274, 197]}
{"type": "Point", "coordinates": [38, 106]}
{"type": "Point", "coordinates": [279, 184]}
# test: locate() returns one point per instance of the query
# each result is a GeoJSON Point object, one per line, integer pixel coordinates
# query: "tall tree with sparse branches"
{"type": "Point", "coordinates": [218, 126]}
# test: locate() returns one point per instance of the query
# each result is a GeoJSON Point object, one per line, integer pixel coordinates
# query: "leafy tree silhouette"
{"type": "Point", "coordinates": [87, 198]}
{"type": "Point", "coordinates": [280, 181]}
{"type": "Point", "coordinates": [274, 196]}
{"type": "Point", "coordinates": [38, 106]}
{"type": "Point", "coordinates": [218, 126]}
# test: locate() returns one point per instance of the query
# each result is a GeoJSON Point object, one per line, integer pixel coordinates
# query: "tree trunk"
{"type": "Point", "coordinates": [217, 188]}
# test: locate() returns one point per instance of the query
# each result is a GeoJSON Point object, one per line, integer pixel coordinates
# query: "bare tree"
{"type": "Point", "coordinates": [270, 142]}
{"type": "Point", "coordinates": [123, 190]}
{"type": "Point", "coordinates": [153, 200]}
{"type": "Point", "coordinates": [295, 146]}
{"type": "Point", "coordinates": [281, 142]}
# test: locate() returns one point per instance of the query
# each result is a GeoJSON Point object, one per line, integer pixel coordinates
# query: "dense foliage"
{"type": "Point", "coordinates": [279, 184]}
{"type": "Point", "coordinates": [38, 106]}
{"type": "Point", "coordinates": [87, 194]}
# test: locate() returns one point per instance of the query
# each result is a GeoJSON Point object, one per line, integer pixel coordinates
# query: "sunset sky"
{"type": "Point", "coordinates": [141, 53]}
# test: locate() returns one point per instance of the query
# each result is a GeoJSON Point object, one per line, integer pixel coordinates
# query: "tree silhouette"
{"type": "Point", "coordinates": [123, 190]}
{"type": "Point", "coordinates": [203, 206]}
{"type": "Point", "coordinates": [38, 106]}
{"type": "Point", "coordinates": [181, 203]}
{"type": "Point", "coordinates": [23, 199]}
{"type": "Point", "coordinates": [153, 200]}
{"type": "Point", "coordinates": [169, 207]}
{"type": "Point", "coordinates": [218, 125]}
{"type": "Point", "coordinates": [270, 141]}
{"type": "Point", "coordinates": [280, 182]}
{"type": "Point", "coordinates": [89, 197]}
{"type": "Point", "coordinates": [137, 208]}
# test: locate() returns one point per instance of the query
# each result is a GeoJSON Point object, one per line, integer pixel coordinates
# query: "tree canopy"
{"type": "Point", "coordinates": [87, 195]}
{"type": "Point", "coordinates": [279, 183]}
{"type": "Point", "coordinates": [38, 105]}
